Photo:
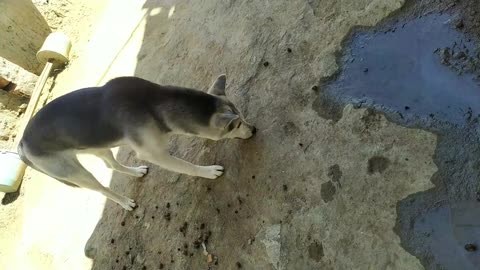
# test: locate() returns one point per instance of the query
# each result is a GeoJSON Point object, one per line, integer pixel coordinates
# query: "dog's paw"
{"type": "Point", "coordinates": [139, 171]}
{"type": "Point", "coordinates": [210, 172]}
{"type": "Point", "coordinates": [128, 204]}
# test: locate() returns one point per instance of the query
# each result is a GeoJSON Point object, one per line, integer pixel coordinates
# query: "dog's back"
{"type": "Point", "coordinates": [101, 117]}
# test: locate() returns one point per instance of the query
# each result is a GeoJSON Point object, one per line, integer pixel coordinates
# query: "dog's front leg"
{"type": "Point", "coordinates": [166, 161]}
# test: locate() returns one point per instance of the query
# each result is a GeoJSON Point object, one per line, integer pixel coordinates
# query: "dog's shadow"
{"type": "Point", "coordinates": [11, 197]}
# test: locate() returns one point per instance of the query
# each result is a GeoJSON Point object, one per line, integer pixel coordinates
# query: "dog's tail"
{"type": "Point", "coordinates": [23, 157]}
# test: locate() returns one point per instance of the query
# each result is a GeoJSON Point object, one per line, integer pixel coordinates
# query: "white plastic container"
{"type": "Point", "coordinates": [55, 48]}
{"type": "Point", "coordinates": [10, 171]}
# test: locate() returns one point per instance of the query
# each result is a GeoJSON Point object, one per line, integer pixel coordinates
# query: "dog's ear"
{"type": "Point", "coordinates": [223, 120]}
{"type": "Point", "coordinates": [218, 87]}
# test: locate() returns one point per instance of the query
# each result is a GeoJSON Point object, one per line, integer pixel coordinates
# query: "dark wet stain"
{"type": "Point", "coordinates": [315, 251]}
{"type": "Point", "coordinates": [290, 128]}
{"type": "Point", "coordinates": [402, 71]}
{"type": "Point", "coordinates": [421, 70]}
{"type": "Point", "coordinates": [328, 191]}
{"type": "Point", "coordinates": [327, 106]}
{"type": "Point", "coordinates": [371, 119]}
{"type": "Point", "coordinates": [335, 173]}
{"type": "Point", "coordinates": [377, 164]}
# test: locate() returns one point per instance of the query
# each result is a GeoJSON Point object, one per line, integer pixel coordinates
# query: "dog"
{"type": "Point", "coordinates": [127, 111]}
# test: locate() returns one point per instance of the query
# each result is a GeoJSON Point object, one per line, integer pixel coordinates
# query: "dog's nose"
{"type": "Point", "coordinates": [254, 130]}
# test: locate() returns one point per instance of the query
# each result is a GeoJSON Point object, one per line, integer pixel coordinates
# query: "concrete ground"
{"type": "Point", "coordinates": [307, 192]}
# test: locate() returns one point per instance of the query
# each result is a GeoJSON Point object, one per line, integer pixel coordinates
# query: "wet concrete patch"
{"type": "Point", "coordinates": [315, 251]}
{"type": "Point", "coordinates": [377, 164]}
{"type": "Point", "coordinates": [449, 237]}
{"type": "Point", "coordinates": [421, 70]}
{"type": "Point", "coordinates": [399, 69]}
{"type": "Point", "coordinates": [328, 191]}
{"type": "Point", "coordinates": [335, 174]}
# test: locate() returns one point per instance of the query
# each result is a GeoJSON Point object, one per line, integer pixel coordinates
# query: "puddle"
{"type": "Point", "coordinates": [447, 238]}
{"type": "Point", "coordinates": [423, 73]}
{"type": "Point", "coordinates": [400, 69]}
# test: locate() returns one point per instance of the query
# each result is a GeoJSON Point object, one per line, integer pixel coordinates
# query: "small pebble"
{"type": "Point", "coordinates": [365, 70]}
{"type": "Point", "coordinates": [265, 64]}
{"type": "Point", "coordinates": [289, 50]}
{"type": "Point", "coordinates": [122, 223]}
{"type": "Point", "coordinates": [168, 205]}
{"type": "Point", "coordinates": [112, 241]}
{"type": "Point", "coordinates": [315, 88]}
{"type": "Point", "coordinates": [239, 265]}
{"type": "Point", "coordinates": [285, 187]}
{"type": "Point", "coordinates": [470, 247]}
{"type": "Point", "coordinates": [459, 24]}
{"type": "Point", "coordinates": [196, 244]}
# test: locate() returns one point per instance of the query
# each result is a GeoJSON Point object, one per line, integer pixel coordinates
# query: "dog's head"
{"type": "Point", "coordinates": [227, 120]}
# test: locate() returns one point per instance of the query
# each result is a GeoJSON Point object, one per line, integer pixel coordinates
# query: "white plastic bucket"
{"type": "Point", "coordinates": [10, 172]}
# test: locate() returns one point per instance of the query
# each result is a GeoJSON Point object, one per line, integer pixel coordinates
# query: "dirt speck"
{"type": "Point", "coordinates": [377, 164]}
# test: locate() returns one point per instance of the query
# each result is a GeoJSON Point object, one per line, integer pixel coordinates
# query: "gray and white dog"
{"type": "Point", "coordinates": [127, 111]}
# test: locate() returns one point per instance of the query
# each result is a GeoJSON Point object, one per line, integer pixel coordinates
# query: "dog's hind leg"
{"type": "Point", "coordinates": [107, 156]}
{"type": "Point", "coordinates": [152, 146]}
{"type": "Point", "coordinates": [65, 167]}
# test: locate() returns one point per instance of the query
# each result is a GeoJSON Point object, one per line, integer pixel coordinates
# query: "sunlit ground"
{"type": "Point", "coordinates": [53, 222]}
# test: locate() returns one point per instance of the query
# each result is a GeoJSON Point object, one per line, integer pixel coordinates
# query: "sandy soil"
{"type": "Point", "coordinates": [77, 20]}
